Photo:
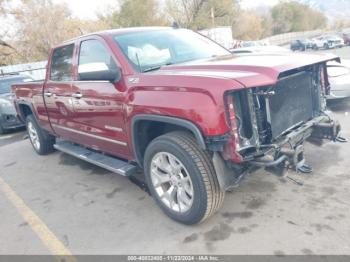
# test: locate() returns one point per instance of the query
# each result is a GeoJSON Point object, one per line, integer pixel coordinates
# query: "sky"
{"type": "Point", "coordinates": [256, 3]}
{"type": "Point", "coordinates": [86, 9]}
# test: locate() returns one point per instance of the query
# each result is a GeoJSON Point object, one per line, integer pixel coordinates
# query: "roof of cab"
{"type": "Point", "coordinates": [120, 31]}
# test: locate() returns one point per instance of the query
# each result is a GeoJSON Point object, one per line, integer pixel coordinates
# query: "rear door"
{"type": "Point", "coordinates": [58, 91]}
{"type": "Point", "coordinates": [99, 105]}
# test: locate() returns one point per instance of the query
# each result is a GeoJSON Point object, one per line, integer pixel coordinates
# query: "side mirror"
{"type": "Point", "coordinates": [98, 72]}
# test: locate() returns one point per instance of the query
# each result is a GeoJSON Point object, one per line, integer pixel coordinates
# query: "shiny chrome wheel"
{"type": "Point", "coordinates": [171, 182]}
{"type": "Point", "coordinates": [33, 135]}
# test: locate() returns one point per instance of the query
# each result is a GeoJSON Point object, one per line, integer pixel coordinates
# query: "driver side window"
{"type": "Point", "coordinates": [93, 53]}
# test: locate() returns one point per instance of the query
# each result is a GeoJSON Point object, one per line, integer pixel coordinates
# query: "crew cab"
{"type": "Point", "coordinates": [193, 116]}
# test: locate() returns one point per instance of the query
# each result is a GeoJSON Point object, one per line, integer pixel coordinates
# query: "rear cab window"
{"type": "Point", "coordinates": [61, 63]}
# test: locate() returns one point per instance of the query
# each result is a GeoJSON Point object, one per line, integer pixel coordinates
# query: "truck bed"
{"type": "Point", "coordinates": [28, 90]}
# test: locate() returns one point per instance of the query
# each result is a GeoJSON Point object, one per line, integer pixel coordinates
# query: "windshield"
{"type": "Point", "coordinates": [152, 49]}
{"type": "Point", "coordinates": [5, 85]}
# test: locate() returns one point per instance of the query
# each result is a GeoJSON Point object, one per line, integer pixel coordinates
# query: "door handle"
{"type": "Point", "coordinates": [77, 95]}
{"type": "Point", "coordinates": [48, 94]}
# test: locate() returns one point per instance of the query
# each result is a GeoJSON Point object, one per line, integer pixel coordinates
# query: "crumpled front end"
{"type": "Point", "coordinates": [269, 124]}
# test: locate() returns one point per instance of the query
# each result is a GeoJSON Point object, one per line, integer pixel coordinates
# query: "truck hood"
{"type": "Point", "coordinates": [250, 70]}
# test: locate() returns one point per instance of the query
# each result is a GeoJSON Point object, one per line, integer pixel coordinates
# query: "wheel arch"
{"type": "Point", "coordinates": [142, 124]}
{"type": "Point", "coordinates": [25, 109]}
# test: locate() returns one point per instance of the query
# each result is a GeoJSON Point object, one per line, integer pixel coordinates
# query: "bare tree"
{"type": "Point", "coordinates": [199, 14]}
{"type": "Point", "coordinates": [43, 24]}
{"type": "Point", "coordinates": [129, 13]}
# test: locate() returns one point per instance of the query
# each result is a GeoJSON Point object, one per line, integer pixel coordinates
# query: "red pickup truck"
{"type": "Point", "coordinates": [179, 106]}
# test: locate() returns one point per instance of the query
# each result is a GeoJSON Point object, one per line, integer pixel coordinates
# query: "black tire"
{"type": "Point", "coordinates": [46, 141]}
{"type": "Point", "coordinates": [2, 130]}
{"type": "Point", "coordinates": [207, 196]}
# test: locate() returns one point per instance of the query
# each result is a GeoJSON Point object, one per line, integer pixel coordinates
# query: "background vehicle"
{"type": "Point", "coordinates": [301, 45]}
{"type": "Point", "coordinates": [335, 41]}
{"type": "Point", "coordinates": [193, 116]}
{"type": "Point", "coordinates": [8, 114]}
{"type": "Point", "coordinates": [328, 42]}
{"type": "Point", "coordinates": [346, 38]}
{"type": "Point", "coordinates": [318, 43]}
{"type": "Point", "coordinates": [339, 79]}
{"type": "Point", "coordinates": [270, 49]}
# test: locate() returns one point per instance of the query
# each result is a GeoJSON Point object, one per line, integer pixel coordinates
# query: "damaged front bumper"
{"type": "Point", "coordinates": [286, 152]}
{"type": "Point", "coordinates": [291, 144]}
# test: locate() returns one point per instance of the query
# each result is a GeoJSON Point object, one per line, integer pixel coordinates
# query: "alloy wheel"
{"type": "Point", "coordinates": [172, 182]}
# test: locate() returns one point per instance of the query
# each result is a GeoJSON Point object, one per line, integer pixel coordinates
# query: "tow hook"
{"type": "Point", "coordinates": [341, 139]}
{"type": "Point", "coordinates": [328, 130]}
{"type": "Point", "coordinates": [296, 159]}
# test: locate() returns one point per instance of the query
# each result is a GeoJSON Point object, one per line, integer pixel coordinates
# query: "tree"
{"type": "Point", "coordinates": [201, 14]}
{"type": "Point", "coordinates": [340, 24]}
{"type": "Point", "coordinates": [43, 24]}
{"type": "Point", "coordinates": [131, 13]}
{"type": "Point", "coordinates": [6, 49]}
{"type": "Point", "coordinates": [249, 27]}
{"type": "Point", "coordinates": [294, 17]}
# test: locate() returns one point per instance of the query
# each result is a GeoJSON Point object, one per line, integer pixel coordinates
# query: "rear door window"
{"type": "Point", "coordinates": [61, 65]}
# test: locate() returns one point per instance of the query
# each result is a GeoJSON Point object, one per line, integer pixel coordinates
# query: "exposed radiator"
{"type": "Point", "coordinates": [291, 104]}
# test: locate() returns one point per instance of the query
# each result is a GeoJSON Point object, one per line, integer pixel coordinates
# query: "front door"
{"type": "Point", "coordinates": [99, 105]}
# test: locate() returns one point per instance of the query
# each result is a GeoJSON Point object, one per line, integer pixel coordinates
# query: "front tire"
{"type": "Point", "coordinates": [181, 178]}
{"type": "Point", "coordinates": [40, 139]}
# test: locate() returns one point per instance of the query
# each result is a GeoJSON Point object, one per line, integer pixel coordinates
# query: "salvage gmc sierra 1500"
{"type": "Point", "coordinates": [179, 106]}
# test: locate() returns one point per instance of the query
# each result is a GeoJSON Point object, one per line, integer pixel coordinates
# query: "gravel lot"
{"type": "Point", "coordinates": [91, 211]}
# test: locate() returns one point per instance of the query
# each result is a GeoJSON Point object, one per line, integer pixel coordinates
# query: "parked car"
{"type": "Point", "coordinates": [318, 43]}
{"type": "Point", "coordinates": [8, 114]}
{"type": "Point", "coordinates": [335, 41]}
{"type": "Point", "coordinates": [169, 101]}
{"type": "Point", "coordinates": [328, 42]}
{"type": "Point", "coordinates": [252, 43]}
{"type": "Point", "coordinates": [260, 49]}
{"type": "Point", "coordinates": [301, 45]}
{"type": "Point", "coordinates": [346, 38]}
{"type": "Point", "coordinates": [339, 79]}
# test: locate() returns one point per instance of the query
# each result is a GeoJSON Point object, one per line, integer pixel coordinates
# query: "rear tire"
{"type": "Point", "coordinates": [178, 153]}
{"type": "Point", "coordinates": [40, 139]}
